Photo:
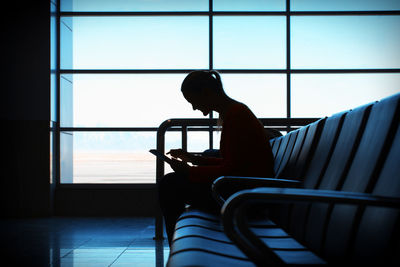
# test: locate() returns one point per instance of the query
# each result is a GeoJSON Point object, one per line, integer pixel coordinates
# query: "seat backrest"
{"type": "Point", "coordinates": [276, 145]}
{"type": "Point", "coordinates": [288, 152]}
{"type": "Point", "coordinates": [317, 164]}
{"type": "Point", "coordinates": [303, 147]}
{"type": "Point", "coordinates": [324, 150]}
{"type": "Point", "coordinates": [337, 167]}
{"type": "Point", "coordinates": [271, 142]}
{"type": "Point", "coordinates": [364, 174]}
{"type": "Point", "coordinates": [287, 169]}
{"type": "Point", "coordinates": [377, 238]}
{"type": "Point", "coordinates": [281, 151]}
{"type": "Point", "coordinates": [305, 151]}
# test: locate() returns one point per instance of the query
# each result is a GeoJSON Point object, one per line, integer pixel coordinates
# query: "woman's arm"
{"type": "Point", "coordinates": [194, 159]}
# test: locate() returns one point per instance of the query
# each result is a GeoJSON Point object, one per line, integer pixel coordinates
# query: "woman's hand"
{"type": "Point", "coordinates": [180, 167]}
{"type": "Point", "coordinates": [180, 154]}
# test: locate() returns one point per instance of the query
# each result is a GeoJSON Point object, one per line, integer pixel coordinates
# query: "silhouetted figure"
{"type": "Point", "coordinates": [244, 150]}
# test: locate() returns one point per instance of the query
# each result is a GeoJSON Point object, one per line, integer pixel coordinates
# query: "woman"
{"type": "Point", "coordinates": [244, 149]}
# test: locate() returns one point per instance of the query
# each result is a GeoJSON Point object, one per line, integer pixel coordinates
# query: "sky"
{"type": "Point", "coordinates": [239, 42]}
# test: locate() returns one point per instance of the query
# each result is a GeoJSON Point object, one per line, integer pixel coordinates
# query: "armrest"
{"type": "Point", "coordinates": [228, 185]}
{"type": "Point", "coordinates": [268, 195]}
{"type": "Point", "coordinates": [237, 228]}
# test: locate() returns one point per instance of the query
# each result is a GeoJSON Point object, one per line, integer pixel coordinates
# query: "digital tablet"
{"type": "Point", "coordinates": [160, 155]}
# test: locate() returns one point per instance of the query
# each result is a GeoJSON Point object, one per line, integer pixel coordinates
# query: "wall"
{"type": "Point", "coordinates": [106, 201]}
{"type": "Point", "coordinates": [25, 109]}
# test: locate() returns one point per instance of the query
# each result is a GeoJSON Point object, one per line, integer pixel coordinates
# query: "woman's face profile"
{"type": "Point", "coordinates": [198, 101]}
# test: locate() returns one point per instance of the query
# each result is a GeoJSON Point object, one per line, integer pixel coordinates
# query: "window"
{"type": "Point", "coordinates": [122, 100]}
{"type": "Point", "coordinates": [107, 157]}
{"type": "Point", "coordinates": [138, 42]}
{"type": "Point", "coordinates": [121, 64]}
{"type": "Point", "coordinates": [345, 42]}
{"type": "Point", "coordinates": [249, 42]}
{"type": "Point", "coordinates": [333, 93]}
{"type": "Point", "coordinates": [133, 5]}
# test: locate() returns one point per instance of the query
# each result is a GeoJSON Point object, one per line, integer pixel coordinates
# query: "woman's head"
{"type": "Point", "coordinates": [201, 88]}
{"type": "Point", "coordinates": [196, 81]}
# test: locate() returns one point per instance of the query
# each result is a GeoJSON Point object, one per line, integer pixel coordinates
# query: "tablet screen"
{"type": "Point", "coordinates": [160, 155]}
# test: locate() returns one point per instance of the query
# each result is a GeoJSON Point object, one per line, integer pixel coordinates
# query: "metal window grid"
{"type": "Point", "coordinates": [211, 14]}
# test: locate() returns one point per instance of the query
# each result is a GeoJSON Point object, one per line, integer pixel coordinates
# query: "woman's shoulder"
{"type": "Point", "coordinates": [239, 107]}
{"type": "Point", "coordinates": [239, 111]}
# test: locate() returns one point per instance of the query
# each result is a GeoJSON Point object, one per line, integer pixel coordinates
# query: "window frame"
{"type": "Point", "coordinates": [211, 14]}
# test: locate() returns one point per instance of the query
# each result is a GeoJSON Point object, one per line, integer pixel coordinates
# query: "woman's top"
{"type": "Point", "coordinates": [244, 148]}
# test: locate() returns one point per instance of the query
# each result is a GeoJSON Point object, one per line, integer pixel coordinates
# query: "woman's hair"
{"type": "Point", "coordinates": [199, 79]}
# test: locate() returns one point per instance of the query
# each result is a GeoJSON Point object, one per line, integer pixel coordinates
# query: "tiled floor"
{"type": "Point", "coordinates": [59, 241]}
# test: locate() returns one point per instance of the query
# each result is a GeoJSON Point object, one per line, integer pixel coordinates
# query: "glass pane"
{"type": "Point", "coordinates": [216, 139]}
{"type": "Point", "coordinates": [108, 157]}
{"type": "Point", "coordinates": [145, 42]}
{"type": "Point", "coordinates": [251, 42]}
{"type": "Point", "coordinates": [319, 95]}
{"type": "Point", "coordinates": [66, 43]}
{"type": "Point", "coordinates": [344, 5]}
{"type": "Point", "coordinates": [345, 42]}
{"type": "Point", "coordinates": [134, 5]}
{"type": "Point", "coordinates": [125, 100]}
{"type": "Point", "coordinates": [264, 94]}
{"type": "Point", "coordinates": [249, 5]}
{"type": "Point", "coordinates": [66, 100]}
{"type": "Point", "coordinates": [66, 157]}
{"type": "Point", "coordinates": [53, 62]}
{"type": "Point", "coordinates": [173, 140]}
{"type": "Point", "coordinates": [198, 141]}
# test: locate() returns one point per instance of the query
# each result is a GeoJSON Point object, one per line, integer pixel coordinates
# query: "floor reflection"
{"type": "Point", "coordinates": [82, 242]}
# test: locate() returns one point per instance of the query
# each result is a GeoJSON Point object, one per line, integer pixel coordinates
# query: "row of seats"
{"type": "Point", "coordinates": [344, 207]}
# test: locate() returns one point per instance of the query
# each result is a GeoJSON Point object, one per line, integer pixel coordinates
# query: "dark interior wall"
{"type": "Point", "coordinates": [26, 51]}
{"type": "Point", "coordinates": [25, 109]}
{"type": "Point", "coordinates": [140, 201]}
{"type": "Point", "coordinates": [25, 187]}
